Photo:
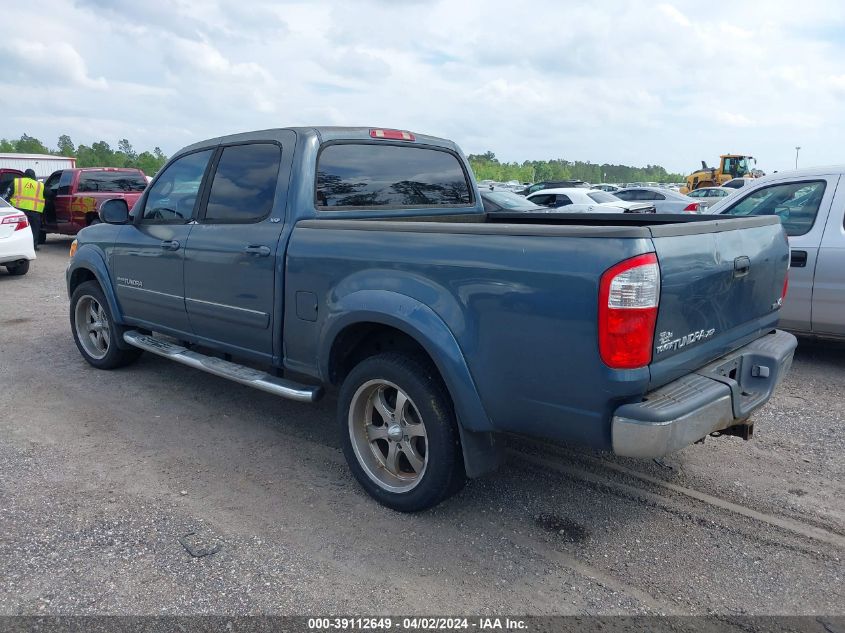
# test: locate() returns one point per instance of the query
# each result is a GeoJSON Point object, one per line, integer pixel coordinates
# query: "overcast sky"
{"type": "Point", "coordinates": [619, 82]}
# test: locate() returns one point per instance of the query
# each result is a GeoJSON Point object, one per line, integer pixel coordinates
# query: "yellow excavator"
{"type": "Point", "coordinates": [730, 166]}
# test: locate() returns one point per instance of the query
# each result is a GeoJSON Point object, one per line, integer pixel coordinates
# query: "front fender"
{"type": "Point", "coordinates": [90, 259]}
{"type": "Point", "coordinates": [422, 324]}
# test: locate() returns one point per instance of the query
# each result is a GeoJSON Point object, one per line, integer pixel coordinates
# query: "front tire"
{"type": "Point", "coordinates": [94, 330]}
{"type": "Point", "coordinates": [399, 433]}
{"type": "Point", "coordinates": [20, 267]}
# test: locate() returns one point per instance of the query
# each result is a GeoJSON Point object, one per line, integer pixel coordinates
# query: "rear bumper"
{"type": "Point", "coordinates": [722, 394]}
{"type": "Point", "coordinates": [17, 246]}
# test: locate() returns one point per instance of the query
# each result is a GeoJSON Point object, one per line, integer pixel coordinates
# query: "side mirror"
{"type": "Point", "coordinates": [114, 211]}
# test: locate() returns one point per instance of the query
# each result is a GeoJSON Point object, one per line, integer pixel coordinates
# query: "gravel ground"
{"type": "Point", "coordinates": [109, 480]}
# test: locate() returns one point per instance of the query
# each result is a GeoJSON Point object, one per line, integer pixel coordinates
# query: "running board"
{"type": "Point", "coordinates": [223, 368]}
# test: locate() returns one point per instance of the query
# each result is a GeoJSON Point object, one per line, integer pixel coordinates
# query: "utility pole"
{"type": "Point", "coordinates": [797, 147]}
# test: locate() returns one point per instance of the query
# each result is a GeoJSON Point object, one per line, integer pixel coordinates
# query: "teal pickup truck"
{"type": "Point", "coordinates": [361, 260]}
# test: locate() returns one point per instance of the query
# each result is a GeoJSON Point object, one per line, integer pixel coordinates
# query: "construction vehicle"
{"type": "Point", "coordinates": [730, 166]}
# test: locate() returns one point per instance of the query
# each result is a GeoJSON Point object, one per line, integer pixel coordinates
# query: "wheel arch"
{"type": "Point", "coordinates": [88, 265]}
{"type": "Point", "coordinates": [368, 321]}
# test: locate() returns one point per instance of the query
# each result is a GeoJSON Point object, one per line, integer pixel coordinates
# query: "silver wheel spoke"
{"type": "Point", "coordinates": [92, 311]}
{"type": "Point", "coordinates": [415, 430]}
{"type": "Point", "coordinates": [105, 334]}
{"type": "Point", "coordinates": [381, 406]}
{"type": "Point", "coordinates": [391, 462]}
{"type": "Point", "coordinates": [376, 432]}
{"type": "Point", "coordinates": [401, 403]}
{"type": "Point", "coordinates": [414, 458]}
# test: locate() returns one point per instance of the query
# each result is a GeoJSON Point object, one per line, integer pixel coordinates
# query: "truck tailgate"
{"type": "Point", "coordinates": [721, 284]}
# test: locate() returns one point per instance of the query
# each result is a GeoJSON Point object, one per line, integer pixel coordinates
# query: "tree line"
{"type": "Point", "coordinates": [99, 154]}
{"type": "Point", "coordinates": [487, 167]}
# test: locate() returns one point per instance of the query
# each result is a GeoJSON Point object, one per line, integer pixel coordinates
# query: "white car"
{"type": "Point", "coordinates": [579, 200]}
{"type": "Point", "coordinates": [16, 247]}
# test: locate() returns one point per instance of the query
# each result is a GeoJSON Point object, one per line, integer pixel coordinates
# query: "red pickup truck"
{"type": "Point", "coordinates": [73, 196]}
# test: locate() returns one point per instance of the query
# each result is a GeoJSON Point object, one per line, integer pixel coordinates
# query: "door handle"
{"type": "Point", "coordinates": [254, 249]}
{"type": "Point", "coordinates": [170, 245]}
{"type": "Point", "coordinates": [798, 259]}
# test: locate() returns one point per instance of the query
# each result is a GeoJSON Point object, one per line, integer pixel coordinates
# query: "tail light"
{"type": "Point", "coordinates": [19, 220]}
{"type": "Point", "coordinates": [628, 296]}
{"type": "Point", "coordinates": [691, 208]}
{"type": "Point", "coordinates": [785, 288]}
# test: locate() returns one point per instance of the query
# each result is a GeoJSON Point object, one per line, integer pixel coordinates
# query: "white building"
{"type": "Point", "coordinates": [42, 164]}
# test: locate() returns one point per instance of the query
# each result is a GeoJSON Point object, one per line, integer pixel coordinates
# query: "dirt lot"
{"type": "Point", "coordinates": [107, 479]}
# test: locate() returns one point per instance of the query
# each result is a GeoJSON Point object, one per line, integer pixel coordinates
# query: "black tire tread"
{"type": "Point", "coordinates": [20, 267]}
{"type": "Point", "coordinates": [441, 480]}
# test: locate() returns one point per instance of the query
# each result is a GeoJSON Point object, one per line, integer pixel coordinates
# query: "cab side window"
{"type": "Point", "coordinates": [795, 203]}
{"type": "Point", "coordinates": [65, 183]}
{"type": "Point", "coordinates": [173, 195]}
{"type": "Point", "coordinates": [244, 184]}
{"type": "Point", "coordinates": [51, 185]}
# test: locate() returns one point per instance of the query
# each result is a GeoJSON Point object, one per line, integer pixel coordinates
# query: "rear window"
{"type": "Point", "coordinates": [795, 203]}
{"type": "Point", "coordinates": [373, 175]}
{"type": "Point", "coordinates": [601, 197]}
{"type": "Point", "coordinates": [92, 181]}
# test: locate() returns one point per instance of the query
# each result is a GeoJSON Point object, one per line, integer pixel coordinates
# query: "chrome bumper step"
{"type": "Point", "coordinates": [225, 369]}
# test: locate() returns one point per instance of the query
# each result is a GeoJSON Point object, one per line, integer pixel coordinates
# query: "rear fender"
{"type": "Point", "coordinates": [421, 323]}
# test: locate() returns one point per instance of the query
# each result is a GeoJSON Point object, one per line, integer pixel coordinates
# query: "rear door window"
{"type": "Point", "coordinates": [795, 203]}
{"type": "Point", "coordinates": [112, 181]}
{"type": "Point", "coordinates": [244, 184]}
{"type": "Point", "coordinates": [369, 175]}
{"type": "Point", "coordinates": [543, 199]}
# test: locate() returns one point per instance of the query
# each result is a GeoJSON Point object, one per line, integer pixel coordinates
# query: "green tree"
{"type": "Point", "coordinates": [30, 145]}
{"type": "Point", "coordinates": [65, 146]}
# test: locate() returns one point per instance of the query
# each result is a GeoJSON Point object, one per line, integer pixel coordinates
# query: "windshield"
{"type": "Point", "coordinates": [738, 166]}
{"type": "Point", "coordinates": [510, 200]}
{"type": "Point", "coordinates": [602, 197]}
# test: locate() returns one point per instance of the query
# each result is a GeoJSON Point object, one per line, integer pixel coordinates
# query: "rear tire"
{"type": "Point", "coordinates": [20, 267]}
{"type": "Point", "coordinates": [94, 330]}
{"type": "Point", "coordinates": [399, 433]}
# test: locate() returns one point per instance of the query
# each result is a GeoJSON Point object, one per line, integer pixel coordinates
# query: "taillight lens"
{"type": "Point", "coordinates": [785, 287]}
{"type": "Point", "coordinates": [628, 296]}
{"type": "Point", "coordinates": [691, 208]}
{"type": "Point", "coordinates": [19, 220]}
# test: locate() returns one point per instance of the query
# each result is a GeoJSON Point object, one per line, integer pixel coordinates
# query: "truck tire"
{"type": "Point", "coordinates": [94, 331]}
{"type": "Point", "coordinates": [20, 267]}
{"type": "Point", "coordinates": [399, 433]}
